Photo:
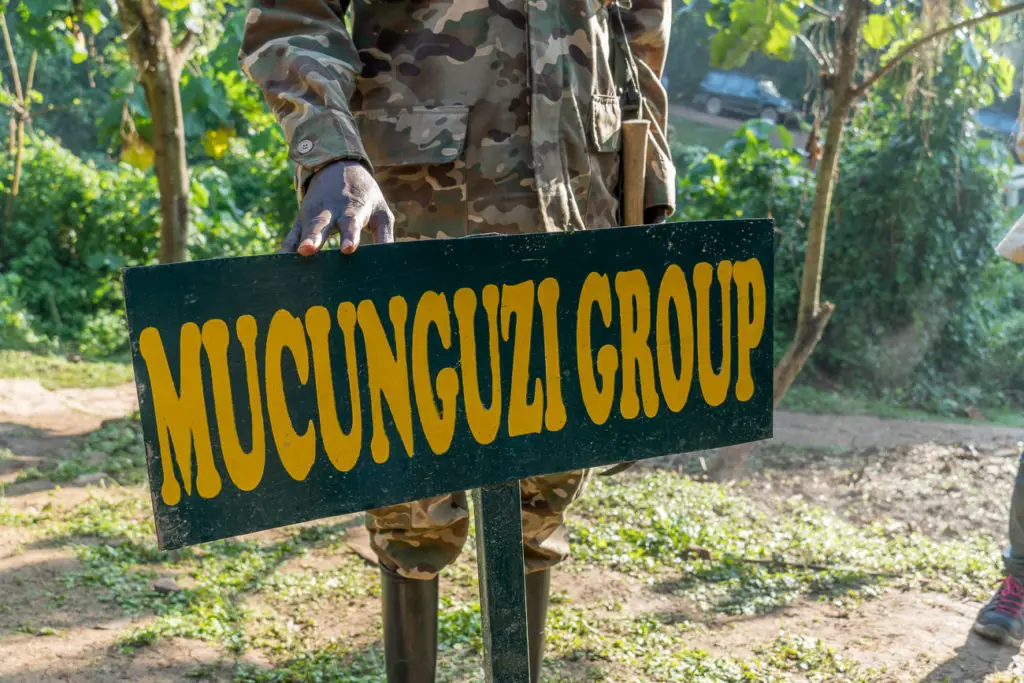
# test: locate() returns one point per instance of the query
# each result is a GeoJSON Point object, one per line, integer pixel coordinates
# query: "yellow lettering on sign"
{"type": "Point", "coordinates": [714, 386]}
{"type": "Point", "coordinates": [675, 386]}
{"type": "Point", "coordinates": [547, 297]}
{"type": "Point", "coordinates": [635, 328]}
{"type": "Point", "coordinates": [598, 402]}
{"type": "Point", "coordinates": [296, 451]}
{"type": "Point", "coordinates": [388, 374]}
{"type": "Point", "coordinates": [244, 469]}
{"type": "Point", "coordinates": [483, 422]}
{"type": "Point", "coordinates": [342, 449]}
{"type": "Point", "coordinates": [524, 416]}
{"type": "Point", "coordinates": [751, 305]}
{"type": "Point", "coordinates": [180, 415]}
{"type": "Point", "coordinates": [438, 425]}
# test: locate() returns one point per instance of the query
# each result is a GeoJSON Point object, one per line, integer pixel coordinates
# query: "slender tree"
{"type": "Point", "coordinates": [159, 61]}
{"type": "Point", "coordinates": [839, 41]}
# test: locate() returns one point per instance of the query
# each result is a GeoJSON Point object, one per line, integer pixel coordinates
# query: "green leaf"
{"type": "Point", "coordinates": [780, 42]}
{"type": "Point", "coordinates": [1004, 72]}
{"type": "Point", "coordinates": [879, 31]}
{"type": "Point", "coordinates": [175, 5]}
{"type": "Point", "coordinates": [785, 137]}
{"type": "Point", "coordinates": [95, 20]}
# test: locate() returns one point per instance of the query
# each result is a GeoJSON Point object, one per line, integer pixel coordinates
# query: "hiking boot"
{"type": "Point", "coordinates": [1002, 619]}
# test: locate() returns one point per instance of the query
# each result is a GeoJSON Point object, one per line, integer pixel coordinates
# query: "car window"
{"type": "Point", "coordinates": [768, 88]}
{"type": "Point", "coordinates": [744, 86]}
{"type": "Point", "coordinates": [713, 81]}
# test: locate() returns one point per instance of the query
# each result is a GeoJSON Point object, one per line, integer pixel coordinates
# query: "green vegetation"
{"type": "Point", "coordinates": [808, 399]}
{"type": "Point", "coordinates": [57, 372]}
{"type": "Point", "coordinates": [685, 132]}
{"type": "Point", "coordinates": [928, 317]}
{"type": "Point", "coordinates": [712, 548]}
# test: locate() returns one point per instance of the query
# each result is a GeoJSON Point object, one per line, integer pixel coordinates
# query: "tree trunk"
{"type": "Point", "coordinates": [812, 316]}
{"type": "Point", "coordinates": [19, 139]}
{"type": "Point", "coordinates": [159, 65]}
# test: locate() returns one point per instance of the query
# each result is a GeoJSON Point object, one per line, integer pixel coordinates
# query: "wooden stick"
{"type": "Point", "coordinates": [634, 166]}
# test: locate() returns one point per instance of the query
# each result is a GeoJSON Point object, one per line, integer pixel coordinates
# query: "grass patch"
{"type": "Point", "coordinates": [665, 524]}
{"type": "Point", "coordinates": [683, 131]}
{"type": "Point", "coordinates": [807, 399]}
{"type": "Point", "coordinates": [117, 449]}
{"type": "Point", "coordinates": [57, 372]}
{"type": "Point", "coordinates": [269, 593]}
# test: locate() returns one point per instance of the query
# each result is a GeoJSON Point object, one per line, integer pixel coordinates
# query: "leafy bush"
{"type": "Point", "coordinates": [77, 223]}
{"type": "Point", "coordinates": [910, 260]}
{"type": "Point", "coordinates": [752, 179]}
{"type": "Point", "coordinates": [926, 313]}
{"type": "Point", "coordinates": [15, 323]}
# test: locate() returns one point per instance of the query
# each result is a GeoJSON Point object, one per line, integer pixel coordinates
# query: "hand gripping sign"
{"type": "Point", "coordinates": [279, 389]}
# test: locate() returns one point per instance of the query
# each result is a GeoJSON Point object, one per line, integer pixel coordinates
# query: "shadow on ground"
{"type": "Point", "coordinates": [974, 660]}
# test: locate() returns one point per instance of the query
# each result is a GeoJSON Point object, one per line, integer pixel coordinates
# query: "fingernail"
{"type": "Point", "coordinates": [348, 246]}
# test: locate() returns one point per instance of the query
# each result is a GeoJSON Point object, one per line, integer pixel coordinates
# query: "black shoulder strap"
{"type": "Point", "coordinates": [631, 100]}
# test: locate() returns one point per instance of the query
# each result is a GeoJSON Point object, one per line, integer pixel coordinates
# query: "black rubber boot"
{"type": "Point", "coordinates": [538, 586]}
{"type": "Point", "coordinates": [410, 627]}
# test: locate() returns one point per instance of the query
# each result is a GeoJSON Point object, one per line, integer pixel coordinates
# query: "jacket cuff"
{"type": "Point", "coordinates": [329, 136]}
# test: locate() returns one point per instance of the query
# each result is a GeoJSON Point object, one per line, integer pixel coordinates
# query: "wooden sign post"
{"type": "Point", "coordinates": [280, 389]}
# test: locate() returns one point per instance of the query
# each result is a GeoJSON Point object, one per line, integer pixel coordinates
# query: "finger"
{"type": "Point", "coordinates": [382, 223]}
{"type": "Point", "coordinates": [313, 232]}
{"type": "Point", "coordinates": [291, 240]}
{"type": "Point", "coordinates": [351, 227]}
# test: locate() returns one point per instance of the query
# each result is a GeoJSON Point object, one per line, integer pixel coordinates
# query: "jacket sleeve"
{"type": "Point", "coordinates": [301, 55]}
{"type": "Point", "coordinates": [648, 24]}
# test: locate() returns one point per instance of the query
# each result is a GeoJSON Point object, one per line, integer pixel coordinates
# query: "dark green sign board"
{"type": "Point", "coordinates": [280, 389]}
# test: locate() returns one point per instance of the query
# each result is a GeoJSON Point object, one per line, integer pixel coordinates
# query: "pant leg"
{"type": "Point", "coordinates": [419, 539]}
{"type": "Point", "coordinates": [1013, 556]}
{"type": "Point", "coordinates": [545, 501]}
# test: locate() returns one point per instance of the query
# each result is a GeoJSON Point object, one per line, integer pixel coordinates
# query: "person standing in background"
{"type": "Point", "coordinates": [1002, 619]}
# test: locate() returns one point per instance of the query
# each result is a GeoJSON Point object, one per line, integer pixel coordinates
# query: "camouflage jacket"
{"type": "Point", "coordinates": [475, 115]}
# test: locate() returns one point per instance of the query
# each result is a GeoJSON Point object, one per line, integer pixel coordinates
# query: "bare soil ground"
{"type": "Point", "coordinates": [941, 479]}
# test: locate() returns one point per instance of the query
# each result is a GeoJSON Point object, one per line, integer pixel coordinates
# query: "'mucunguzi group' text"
{"type": "Point", "coordinates": [661, 353]}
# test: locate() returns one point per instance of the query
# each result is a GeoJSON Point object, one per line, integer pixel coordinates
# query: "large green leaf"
{"type": "Point", "coordinates": [95, 20]}
{"type": "Point", "coordinates": [1004, 71]}
{"type": "Point", "coordinates": [879, 30]}
{"type": "Point", "coordinates": [175, 5]}
{"type": "Point", "coordinates": [780, 41]}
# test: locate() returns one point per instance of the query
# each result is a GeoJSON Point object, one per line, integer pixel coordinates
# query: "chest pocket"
{"type": "Point", "coordinates": [417, 156]}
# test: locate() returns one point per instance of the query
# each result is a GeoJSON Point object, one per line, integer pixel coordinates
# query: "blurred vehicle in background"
{"type": "Point", "coordinates": [996, 123]}
{"type": "Point", "coordinates": [728, 92]}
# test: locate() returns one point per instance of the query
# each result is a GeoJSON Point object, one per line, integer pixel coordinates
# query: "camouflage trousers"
{"type": "Point", "coordinates": [421, 538]}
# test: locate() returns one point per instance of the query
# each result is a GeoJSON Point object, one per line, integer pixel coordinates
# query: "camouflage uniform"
{"type": "Point", "coordinates": [475, 116]}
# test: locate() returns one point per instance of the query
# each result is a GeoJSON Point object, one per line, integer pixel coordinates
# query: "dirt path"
{"type": "Point", "coordinates": [862, 467]}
